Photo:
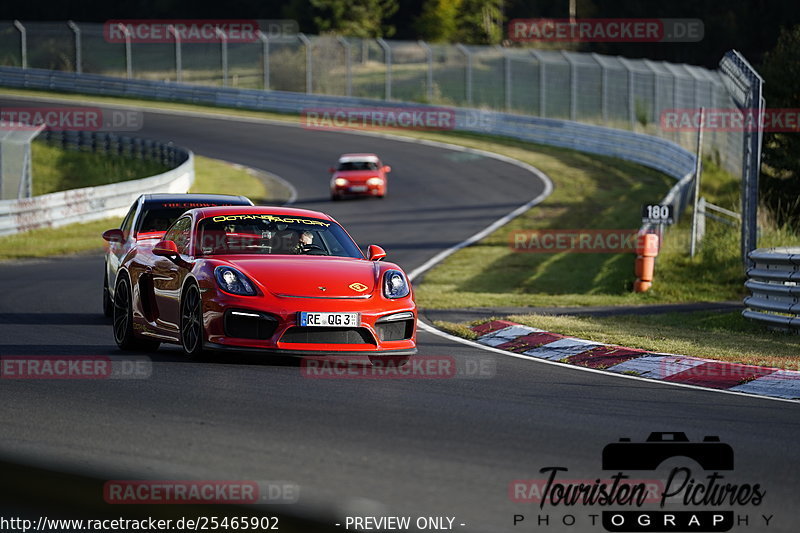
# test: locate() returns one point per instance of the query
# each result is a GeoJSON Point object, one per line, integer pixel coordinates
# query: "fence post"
{"type": "Point", "coordinates": [223, 41]}
{"type": "Point", "coordinates": [429, 59]}
{"type": "Point", "coordinates": [387, 55]}
{"type": "Point", "coordinates": [542, 84]}
{"type": "Point", "coordinates": [467, 73]}
{"type": "Point", "coordinates": [178, 66]}
{"type": "Point", "coordinates": [309, 76]}
{"type": "Point", "coordinates": [573, 86]}
{"type": "Point", "coordinates": [348, 66]}
{"type": "Point", "coordinates": [603, 88]}
{"type": "Point", "coordinates": [506, 76]}
{"type": "Point", "coordinates": [698, 167]}
{"type": "Point", "coordinates": [128, 59]}
{"type": "Point", "coordinates": [23, 43]}
{"type": "Point", "coordinates": [631, 95]}
{"type": "Point", "coordinates": [78, 52]}
{"type": "Point", "coordinates": [265, 51]}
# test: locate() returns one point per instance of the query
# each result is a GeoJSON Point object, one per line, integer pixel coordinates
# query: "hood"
{"type": "Point", "coordinates": [341, 277]}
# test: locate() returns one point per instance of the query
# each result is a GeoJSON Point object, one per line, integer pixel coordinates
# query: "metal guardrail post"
{"type": "Point", "coordinates": [178, 66]}
{"type": "Point", "coordinates": [128, 56]}
{"type": "Point", "coordinates": [387, 55]}
{"type": "Point", "coordinates": [467, 72]}
{"type": "Point", "coordinates": [429, 61]}
{"type": "Point", "coordinates": [223, 40]}
{"type": "Point", "coordinates": [264, 38]}
{"type": "Point", "coordinates": [78, 52]}
{"type": "Point", "coordinates": [23, 43]}
{"type": "Point", "coordinates": [348, 65]}
{"type": "Point", "coordinates": [309, 63]}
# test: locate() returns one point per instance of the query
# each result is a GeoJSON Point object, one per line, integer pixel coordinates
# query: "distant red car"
{"type": "Point", "coordinates": [359, 175]}
{"type": "Point", "coordinates": [263, 278]}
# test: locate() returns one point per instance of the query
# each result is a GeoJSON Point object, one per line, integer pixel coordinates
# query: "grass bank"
{"type": "Point", "coordinates": [212, 176]}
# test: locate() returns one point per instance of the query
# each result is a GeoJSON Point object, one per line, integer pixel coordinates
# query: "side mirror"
{"type": "Point", "coordinates": [375, 253]}
{"type": "Point", "coordinates": [165, 249]}
{"type": "Point", "coordinates": [387, 168]}
{"type": "Point", "coordinates": [114, 235]}
{"type": "Point", "coordinates": [331, 170]}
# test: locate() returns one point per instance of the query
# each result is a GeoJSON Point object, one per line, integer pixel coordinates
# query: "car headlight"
{"type": "Point", "coordinates": [341, 182]}
{"type": "Point", "coordinates": [374, 181]}
{"type": "Point", "coordinates": [395, 284]}
{"type": "Point", "coordinates": [231, 280]}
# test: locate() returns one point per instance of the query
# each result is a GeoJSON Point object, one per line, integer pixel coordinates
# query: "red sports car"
{"type": "Point", "coordinates": [359, 175]}
{"type": "Point", "coordinates": [148, 218]}
{"type": "Point", "coordinates": [263, 278]}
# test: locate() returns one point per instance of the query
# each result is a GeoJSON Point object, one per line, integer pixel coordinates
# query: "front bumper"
{"type": "Point", "coordinates": [270, 323]}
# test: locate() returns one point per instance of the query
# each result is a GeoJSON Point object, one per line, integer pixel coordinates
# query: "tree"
{"type": "Point", "coordinates": [480, 22]}
{"type": "Point", "coordinates": [781, 177]}
{"type": "Point", "coordinates": [437, 22]}
{"type": "Point", "coordinates": [355, 18]}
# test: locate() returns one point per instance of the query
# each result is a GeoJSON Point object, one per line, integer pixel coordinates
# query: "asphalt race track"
{"type": "Point", "coordinates": [435, 447]}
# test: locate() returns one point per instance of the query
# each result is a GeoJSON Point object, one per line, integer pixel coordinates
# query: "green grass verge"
{"type": "Point", "coordinates": [55, 169]}
{"type": "Point", "coordinates": [714, 335]}
{"type": "Point", "coordinates": [212, 176]}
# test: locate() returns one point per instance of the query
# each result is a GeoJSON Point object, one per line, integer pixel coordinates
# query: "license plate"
{"type": "Point", "coordinates": [358, 188]}
{"type": "Point", "coordinates": [330, 320]}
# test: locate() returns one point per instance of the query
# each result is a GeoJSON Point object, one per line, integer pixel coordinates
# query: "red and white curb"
{"type": "Point", "coordinates": [694, 371]}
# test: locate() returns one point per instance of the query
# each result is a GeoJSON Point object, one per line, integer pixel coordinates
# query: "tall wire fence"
{"type": "Point", "coordinates": [589, 88]}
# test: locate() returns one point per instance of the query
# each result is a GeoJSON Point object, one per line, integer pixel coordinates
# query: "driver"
{"type": "Point", "coordinates": [306, 240]}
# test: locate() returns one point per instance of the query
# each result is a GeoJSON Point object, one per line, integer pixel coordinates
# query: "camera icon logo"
{"type": "Point", "coordinates": [710, 454]}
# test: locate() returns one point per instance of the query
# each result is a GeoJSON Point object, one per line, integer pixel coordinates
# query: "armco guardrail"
{"type": "Point", "coordinates": [647, 150]}
{"type": "Point", "coordinates": [93, 203]}
{"type": "Point", "coordinates": [774, 283]}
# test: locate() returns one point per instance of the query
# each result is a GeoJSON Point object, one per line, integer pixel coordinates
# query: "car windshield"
{"type": "Point", "coordinates": [358, 165]}
{"type": "Point", "coordinates": [159, 218]}
{"type": "Point", "coordinates": [273, 235]}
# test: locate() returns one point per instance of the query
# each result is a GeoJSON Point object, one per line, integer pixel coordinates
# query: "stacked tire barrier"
{"type": "Point", "coordinates": [774, 285]}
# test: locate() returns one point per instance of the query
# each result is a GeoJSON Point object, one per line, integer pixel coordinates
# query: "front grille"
{"type": "Point", "coordinates": [397, 330]}
{"type": "Point", "coordinates": [317, 335]}
{"type": "Point", "coordinates": [249, 324]}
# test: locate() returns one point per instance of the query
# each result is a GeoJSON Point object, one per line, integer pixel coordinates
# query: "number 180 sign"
{"type": "Point", "coordinates": [657, 214]}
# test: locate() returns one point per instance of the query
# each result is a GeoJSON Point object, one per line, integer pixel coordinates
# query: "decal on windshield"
{"type": "Point", "coordinates": [271, 218]}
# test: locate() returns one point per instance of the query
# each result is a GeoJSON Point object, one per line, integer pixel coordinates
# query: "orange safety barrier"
{"type": "Point", "coordinates": [646, 252]}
